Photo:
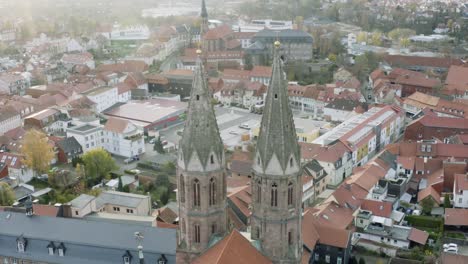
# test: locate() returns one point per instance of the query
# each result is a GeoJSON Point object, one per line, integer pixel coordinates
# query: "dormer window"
{"type": "Point", "coordinates": [127, 257]}
{"type": "Point", "coordinates": [61, 250]}
{"type": "Point", "coordinates": [162, 259]}
{"type": "Point", "coordinates": [51, 248]}
{"type": "Point", "coordinates": [21, 244]}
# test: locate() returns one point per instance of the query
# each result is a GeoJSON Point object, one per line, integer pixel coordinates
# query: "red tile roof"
{"type": "Point", "coordinates": [242, 199]}
{"type": "Point", "coordinates": [445, 122]}
{"type": "Point", "coordinates": [406, 162]}
{"type": "Point", "coordinates": [314, 232]}
{"type": "Point", "coordinates": [422, 61]}
{"type": "Point", "coordinates": [378, 208]}
{"type": "Point", "coordinates": [261, 71]}
{"type": "Point", "coordinates": [418, 236]}
{"type": "Point", "coordinates": [461, 183]}
{"type": "Point", "coordinates": [232, 249]}
{"type": "Point", "coordinates": [218, 32]}
{"type": "Point", "coordinates": [456, 217]}
{"type": "Point", "coordinates": [429, 191]}
{"type": "Point", "coordinates": [457, 78]}
{"type": "Point", "coordinates": [449, 258]}
{"type": "Point", "coordinates": [45, 210]}
{"type": "Point", "coordinates": [116, 125]}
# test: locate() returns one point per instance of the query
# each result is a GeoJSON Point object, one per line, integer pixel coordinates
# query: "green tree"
{"type": "Point", "coordinates": [427, 204]}
{"type": "Point", "coordinates": [158, 146]}
{"type": "Point", "coordinates": [362, 261]}
{"type": "Point", "coordinates": [120, 186]}
{"type": "Point", "coordinates": [164, 197]}
{"type": "Point", "coordinates": [98, 164]}
{"type": "Point", "coordinates": [353, 260]}
{"type": "Point", "coordinates": [7, 197]}
{"type": "Point", "coordinates": [447, 203]}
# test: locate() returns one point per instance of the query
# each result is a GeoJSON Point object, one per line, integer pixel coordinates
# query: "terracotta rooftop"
{"type": "Point", "coordinates": [418, 236]}
{"type": "Point", "coordinates": [218, 32]}
{"type": "Point", "coordinates": [429, 191]}
{"type": "Point", "coordinates": [461, 183]}
{"type": "Point", "coordinates": [422, 61]}
{"type": "Point", "coordinates": [449, 258]}
{"type": "Point", "coordinates": [456, 216]}
{"type": "Point", "coordinates": [457, 78]}
{"type": "Point", "coordinates": [46, 210]}
{"type": "Point", "coordinates": [116, 125]}
{"type": "Point", "coordinates": [232, 249]}
{"type": "Point", "coordinates": [242, 199]}
{"type": "Point", "coordinates": [378, 208]}
{"type": "Point", "coordinates": [261, 71]}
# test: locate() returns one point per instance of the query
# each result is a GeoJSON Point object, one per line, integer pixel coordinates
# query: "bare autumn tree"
{"type": "Point", "coordinates": [37, 151]}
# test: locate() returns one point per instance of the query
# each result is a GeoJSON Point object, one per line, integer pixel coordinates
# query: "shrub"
{"type": "Point", "coordinates": [424, 221]}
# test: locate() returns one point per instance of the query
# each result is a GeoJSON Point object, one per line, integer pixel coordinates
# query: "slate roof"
{"type": "Point", "coordinates": [287, 33]}
{"type": "Point", "coordinates": [277, 132]}
{"type": "Point", "coordinates": [343, 105]}
{"type": "Point", "coordinates": [119, 198]}
{"type": "Point", "coordinates": [82, 200]}
{"type": "Point", "coordinates": [89, 236]}
{"type": "Point", "coordinates": [201, 133]}
{"type": "Point", "coordinates": [69, 145]}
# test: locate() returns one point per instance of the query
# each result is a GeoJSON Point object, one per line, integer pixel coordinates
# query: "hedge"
{"type": "Point", "coordinates": [425, 221]}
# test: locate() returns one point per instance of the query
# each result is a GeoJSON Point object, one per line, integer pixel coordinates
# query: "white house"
{"type": "Point", "coordinates": [123, 138]}
{"type": "Point", "coordinates": [104, 97]}
{"type": "Point", "coordinates": [460, 191]}
{"type": "Point", "coordinates": [89, 136]}
{"type": "Point", "coordinates": [9, 119]}
{"type": "Point", "coordinates": [13, 83]}
{"type": "Point", "coordinates": [124, 92]}
{"type": "Point", "coordinates": [340, 110]}
{"type": "Point", "coordinates": [16, 169]}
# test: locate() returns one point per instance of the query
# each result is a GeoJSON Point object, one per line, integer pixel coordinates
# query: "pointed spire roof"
{"type": "Point", "coordinates": [204, 13]}
{"type": "Point", "coordinates": [201, 134]}
{"type": "Point", "coordinates": [277, 132]}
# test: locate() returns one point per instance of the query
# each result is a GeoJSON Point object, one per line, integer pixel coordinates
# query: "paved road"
{"type": "Point", "coordinates": [169, 63]}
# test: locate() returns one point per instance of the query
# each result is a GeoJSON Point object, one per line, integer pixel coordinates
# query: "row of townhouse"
{"type": "Point", "coordinates": [118, 136]}
{"type": "Point", "coordinates": [355, 141]}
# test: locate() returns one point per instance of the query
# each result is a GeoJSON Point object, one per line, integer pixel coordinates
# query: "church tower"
{"type": "Point", "coordinates": [204, 19]}
{"type": "Point", "coordinates": [201, 182]}
{"type": "Point", "coordinates": [277, 179]}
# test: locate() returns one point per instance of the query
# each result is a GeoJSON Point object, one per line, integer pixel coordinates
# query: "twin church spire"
{"type": "Point", "coordinates": [276, 182]}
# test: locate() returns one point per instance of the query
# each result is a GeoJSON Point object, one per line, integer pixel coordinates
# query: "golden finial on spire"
{"type": "Point", "coordinates": [199, 51]}
{"type": "Point", "coordinates": [277, 44]}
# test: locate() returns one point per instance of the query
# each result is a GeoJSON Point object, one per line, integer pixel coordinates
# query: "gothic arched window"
{"type": "Point", "coordinates": [259, 191]}
{"type": "Point", "coordinates": [212, 192]}
{"type": "Point", "coordinates": [274, 195]}
{"type": "Point", "coordinates": [181, 190]}
{"type": "Point", "coordinates": [196, 192]}
{"type": "Point", "coordinates": [212, 159]}
{"type": "Point", "coordinates": [197, 233]}
{"type": "Point", "coordinates": [290, 193]}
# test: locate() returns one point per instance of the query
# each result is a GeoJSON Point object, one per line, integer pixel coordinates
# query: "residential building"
{"type": "Point", "coordinates": [68, 149]}
{"type": "Point", "coordinates": [9, 119]}
{"type": "Point", "coordinates": [456, 82]}
{"type": "Point", "coordinates": [417, 102]}
{"type": "Point", "coordinates": [13, 83]}
{"type": "Point", "coordinates": [70, 61]}
{"type": "Point", "coordinates": [314, 170]}
{"type": "Point", "coordinates": [89, 136]}
{"type": "Point", "coordinates": [123, 138]}
{"type": "Point", "coordinates": [260, 24]}
{"type": "Point", "coordinates": [111, 202]}
{"type": "Point", "coordinates": [261, 74]}
{"type": "Point", "coordinates": [220, 38]}
{"type": "Point", "coordinates": [129, 33]}
{"type": "Point", "coordinates": [42, 119]}
{"type": "Point", "coordinates": [422, 64]}
{"type": "Point", "coordinates": [340, 110]}
{"type": "Point", "coordinates": [393, 235]}
{"type": "Point", "coordinates": [366, 134]}
{"type": "Point", "coordinates": [104, 97]}
{"type": "Point", "coordinates": [324, 243]}
{"type": "Point", "coordinates": [16, 169]}
{"type": "Point", "coordinates": [32, 238]}
{"type": "Point", "coordinates": [431, 126]}
{"type": "Point", "coordinates": [296, 45]}
{"type": "Point", "coordinates": [460, 191]}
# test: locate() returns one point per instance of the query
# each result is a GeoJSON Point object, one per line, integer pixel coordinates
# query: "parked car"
{"type": "Point", "coordinates": [446, 246]}
{"type": "Point", "coordinates": [136, 171]}
{"type": "Point", "coordinates": [453, 250]}
{"type": "Point", "coordinates": [129, 160]}
{"type": "Point", "coordinates": [152, 141]}
{"type": "Point", "coordinates": [233, 132]}
{"type": "Point", "coordinates": [244, 126]}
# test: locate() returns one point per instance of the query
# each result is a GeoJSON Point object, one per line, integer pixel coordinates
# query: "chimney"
{"type": "Point", "coordinates": [29, 207]}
